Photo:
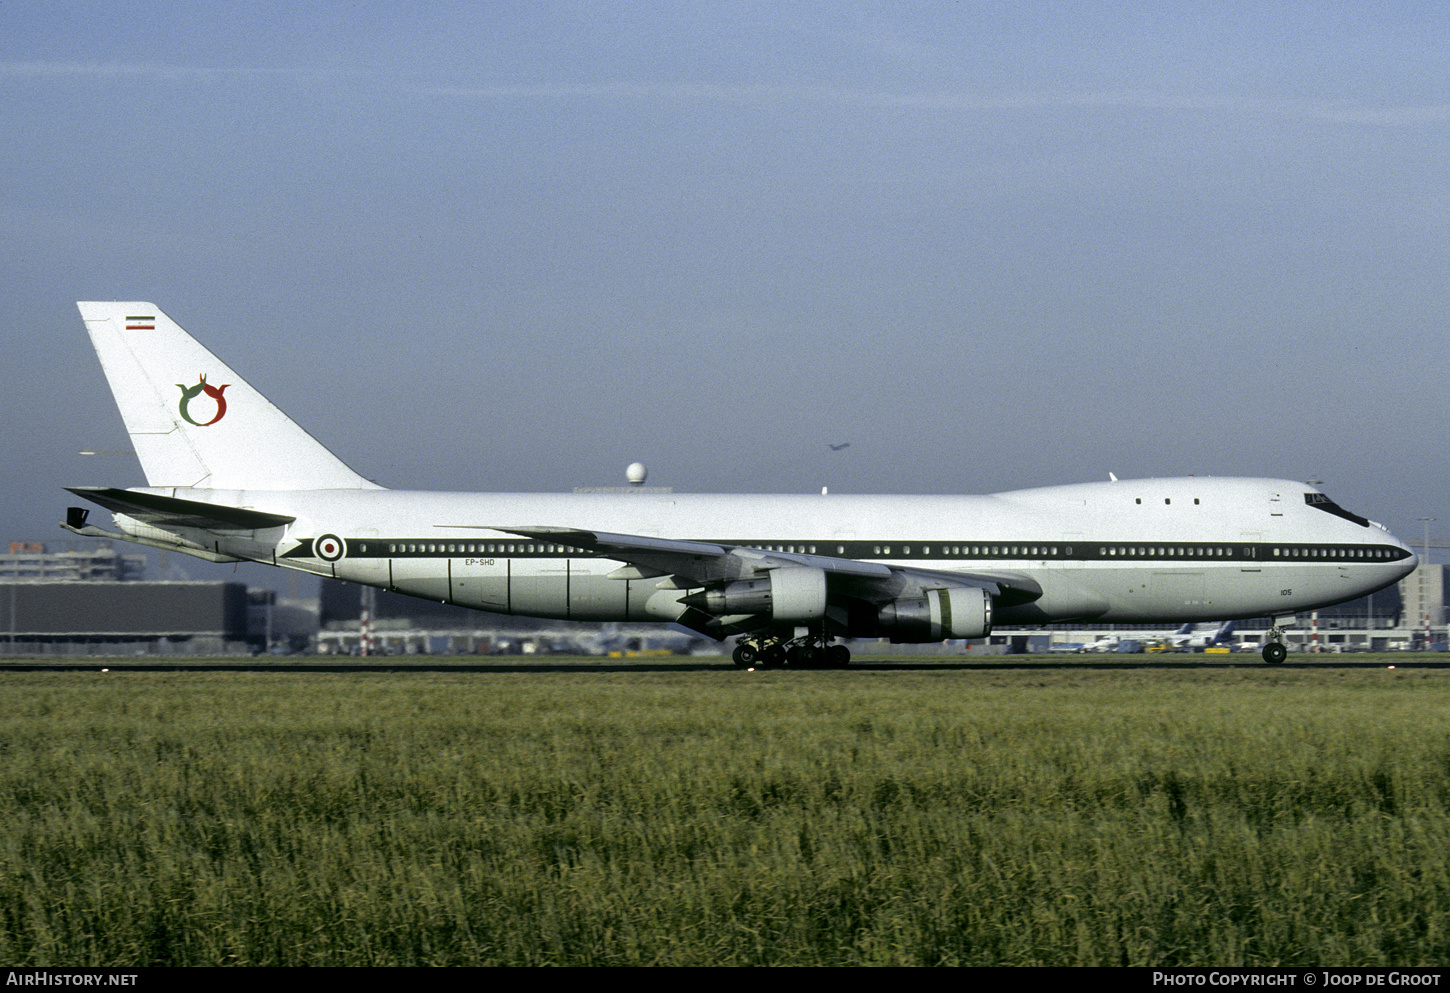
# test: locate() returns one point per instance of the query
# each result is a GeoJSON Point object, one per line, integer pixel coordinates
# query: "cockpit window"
{"type": "Point", "coordinates": [1322, 502]}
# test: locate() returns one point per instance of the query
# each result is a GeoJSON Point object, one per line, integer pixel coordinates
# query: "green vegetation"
{"type": "Point", "coordinates": [1006, 817]}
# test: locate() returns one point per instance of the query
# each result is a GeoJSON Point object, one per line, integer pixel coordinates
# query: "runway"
{"type": "Point", "coordinates": [587, 664]}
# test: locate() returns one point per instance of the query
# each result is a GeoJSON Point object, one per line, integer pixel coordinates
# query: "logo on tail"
{"type": "Point", "coordinates": [190, 393]}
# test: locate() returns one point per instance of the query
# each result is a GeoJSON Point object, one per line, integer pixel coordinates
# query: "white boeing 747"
{"type": "Point", "coordinates": [231, 478]}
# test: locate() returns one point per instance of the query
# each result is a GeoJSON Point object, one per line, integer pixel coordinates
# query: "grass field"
{"type": "Point", "coordinates": [1012, 817]}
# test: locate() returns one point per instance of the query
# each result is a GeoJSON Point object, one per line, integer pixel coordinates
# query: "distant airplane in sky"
{"type": "Point", "coordinates": [837, 448]}
{"type": "Point", "coordinates": [231, 478]}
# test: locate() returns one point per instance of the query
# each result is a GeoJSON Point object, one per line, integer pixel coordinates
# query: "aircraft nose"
{"type": "Point", "coordinates": [1412, 559]}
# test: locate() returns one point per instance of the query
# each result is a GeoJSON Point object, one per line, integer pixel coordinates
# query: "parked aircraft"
{"type": "Point", "coordinates": [231, 478]}
{"type": "Point", "coordinates": [1188, 637]}
{"type": "Point", "coordinates": [1192, 636]}
{"type": "Point", "coordinates": [655, 639]}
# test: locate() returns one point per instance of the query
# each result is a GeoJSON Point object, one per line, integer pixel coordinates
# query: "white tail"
{"type": "Point", "coordinates": [195, 422]}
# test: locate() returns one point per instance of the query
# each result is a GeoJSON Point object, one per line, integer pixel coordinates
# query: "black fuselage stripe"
{"type": "Point", "coordinates": [1165, 553]}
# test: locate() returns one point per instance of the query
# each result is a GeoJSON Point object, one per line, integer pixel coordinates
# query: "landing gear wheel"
{"type": "Point", "coordinates": [1275, 653]}
{"type": "Point", "coordinates": [809, 652]}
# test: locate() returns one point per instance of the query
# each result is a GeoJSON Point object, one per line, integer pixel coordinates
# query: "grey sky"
{"type": "Point", "coordinates": [518, 246]}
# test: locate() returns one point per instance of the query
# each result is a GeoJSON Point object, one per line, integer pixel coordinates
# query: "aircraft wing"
{"type": "Point", "coordinates": [692, 563]}
{"type": "Point", "coordinates": [172, 512]}
{"type": "Point", "coordinates": [702, 563]}
{"type": "Point", "coordinates": [1011, 587]}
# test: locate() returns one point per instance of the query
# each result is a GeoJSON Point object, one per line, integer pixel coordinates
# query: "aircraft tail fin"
{"type": "Point", "coordinates": [194, 422]}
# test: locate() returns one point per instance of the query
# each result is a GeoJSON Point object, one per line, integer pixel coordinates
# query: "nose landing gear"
{"type": "Point", "coordinates": [1275, 650]}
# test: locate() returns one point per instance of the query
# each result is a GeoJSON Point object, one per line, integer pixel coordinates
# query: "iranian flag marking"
{"type": "Point", "coordinates": [141, 323]}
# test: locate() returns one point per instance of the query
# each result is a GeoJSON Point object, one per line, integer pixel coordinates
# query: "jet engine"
{"type": "Point", "coordinates": [952, 612]}
{"type": "Point", "coordinates": [788, 594]}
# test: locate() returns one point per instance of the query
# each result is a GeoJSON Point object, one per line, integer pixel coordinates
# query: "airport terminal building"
{"type": "Point", "coordinates": [33, 561]}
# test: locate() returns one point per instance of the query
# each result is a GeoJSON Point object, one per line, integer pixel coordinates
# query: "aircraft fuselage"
{"type": "Point", "coordinates": [1152, 550]}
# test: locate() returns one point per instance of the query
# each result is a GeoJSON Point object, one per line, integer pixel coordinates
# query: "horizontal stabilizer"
{"type": "Point", "coordinates": [165, 511]}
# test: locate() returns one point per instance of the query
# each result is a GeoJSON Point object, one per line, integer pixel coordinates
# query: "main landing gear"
{"type": "Point", "coordinates": [810, 652]}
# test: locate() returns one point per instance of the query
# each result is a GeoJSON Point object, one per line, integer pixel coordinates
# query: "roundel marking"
{"type": "Point", "coordinates": [330, 548]}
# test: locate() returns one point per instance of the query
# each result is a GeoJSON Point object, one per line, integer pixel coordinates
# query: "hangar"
{"type": "Point", "coordinates": [130, 617]}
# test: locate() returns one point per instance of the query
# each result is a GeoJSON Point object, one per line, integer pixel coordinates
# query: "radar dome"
{"type": "Point", "coordinates": [636, 474]}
